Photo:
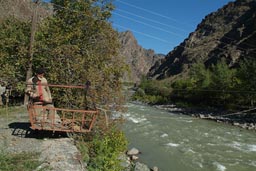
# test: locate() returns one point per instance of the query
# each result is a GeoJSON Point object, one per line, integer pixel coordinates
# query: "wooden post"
{"type": "Point", "coordinates": [31, 44]}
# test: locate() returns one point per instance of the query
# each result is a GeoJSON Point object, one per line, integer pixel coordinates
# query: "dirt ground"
{"type": "Point", "coordinates": [57, 151]}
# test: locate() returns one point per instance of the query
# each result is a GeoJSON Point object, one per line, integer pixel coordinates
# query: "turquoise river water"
{"type": "Point", "coordinates": [174, 142]}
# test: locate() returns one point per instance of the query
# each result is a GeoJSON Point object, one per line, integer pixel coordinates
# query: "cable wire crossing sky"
{"type": "Point", "coordinates": [162, 25]}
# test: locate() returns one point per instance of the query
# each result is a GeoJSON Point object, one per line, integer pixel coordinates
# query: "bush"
{"type": "Point", "coordinates": [152, 92]}
{"type": "Point", "coordinates": [105, 150]}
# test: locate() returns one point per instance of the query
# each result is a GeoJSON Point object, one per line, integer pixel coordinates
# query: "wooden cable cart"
{"type": "Point", "coordinates": [69, 120]}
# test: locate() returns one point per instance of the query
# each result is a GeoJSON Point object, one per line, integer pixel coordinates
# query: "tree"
{"type": "Point", "coordinates": [78, 44]}
{"type": "Point", "coordinates": [200, 75]}
{"type": "Point", "coordinates": [14, 35]}
{"type": "Point", "coordinates": [246, 74]}
{"type": "Point", "coordinates": [223, 78]}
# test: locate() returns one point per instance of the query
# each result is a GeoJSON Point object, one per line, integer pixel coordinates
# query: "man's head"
{"type": "Point", "coordinates": [40, 72]}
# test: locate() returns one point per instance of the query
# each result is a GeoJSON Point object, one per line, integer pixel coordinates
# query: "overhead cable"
{"type": "Point", "coordinates": [151, 12]}
{"type": "Point", "coordinates": [158, 28]}
{"type": "Point", "coordinates": [158, 14]}
{"type": "Point", "coordinates": [151, 20]}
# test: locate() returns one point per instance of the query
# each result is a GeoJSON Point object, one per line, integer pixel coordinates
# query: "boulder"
{"type": "Point", "coordinates": [154, 168]}
{"type": "Point", "coordinates": [125, 161]}
{"type": "Point", "coordinates": [141, 167]}
{"type": "Point", "coordinates": [133, 157]}
{"type": "Point", "coordinates": [133, 151]}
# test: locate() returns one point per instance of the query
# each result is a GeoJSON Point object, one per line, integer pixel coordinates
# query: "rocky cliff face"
{"type": "Point", "coordinates": [228, 33]}
{"type": "Point", "coordinates": [139, 60]}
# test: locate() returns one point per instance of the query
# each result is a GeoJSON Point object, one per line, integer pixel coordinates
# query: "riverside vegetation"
{"type": "Point", "coordinates": [217, 86]}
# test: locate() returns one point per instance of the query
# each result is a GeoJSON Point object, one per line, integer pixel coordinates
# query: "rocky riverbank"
{"type": "Point", "coordinates": [131, 163]}
{"type": "Point", "coordinates": [245, 119]}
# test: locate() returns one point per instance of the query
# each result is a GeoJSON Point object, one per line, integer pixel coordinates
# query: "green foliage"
{"type": "Point", "coordinates": [78, 44]}
{"type": "Point", "coordinates": [155, 99]}
{"type": "Point", "coordinates": [14, 35]}
{"type": "Point", "coordinates": [105, 151]}
{"type": "Point", "coordinates": [139, 93]}
{"type": "Point", "coordinates": [200, 76]}
{"type": "Point", "coordinates": [247, 80]}
{"type": "Point", "coordinates": [246, 74]}
{"type": "Point", "coordinates": [223, 78]}
{"type": "Point", "coordinates": [10, 112]}
{"type": "Point", "coordinates": [183, 89]}
{"type": "Point", "coordinates": [218, 86]}
{"type": "Point", "coordinates": [84, 150]}
{"type": "Point", "coordinates": [152, 92]}
{"type": "Point", "coordinates": [182, 84]}
{"type": "Point", "coordinates": [207, 86]}
{"type": "Point", "coordinates": [21, 161]}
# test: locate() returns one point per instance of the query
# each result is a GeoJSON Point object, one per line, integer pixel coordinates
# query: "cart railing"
{"type": "Point", "coordinates": [69, 120]}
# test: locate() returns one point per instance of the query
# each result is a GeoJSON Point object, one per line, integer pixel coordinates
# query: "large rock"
{"type": "Point", "coordinates": [141, 167]}
{"type": "Point", "coordinates": [133, 151]}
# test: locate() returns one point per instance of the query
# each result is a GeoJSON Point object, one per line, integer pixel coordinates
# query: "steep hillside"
{"type": "Point", "coordinates": [139, 60]}
{"type": "Point", "coordinates": [227, 33]}
{"type": "Point", "coordinates": [22, 9]}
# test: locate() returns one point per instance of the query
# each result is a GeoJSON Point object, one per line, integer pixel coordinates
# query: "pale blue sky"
{"type": "Point", "coordinates": [161, 25]}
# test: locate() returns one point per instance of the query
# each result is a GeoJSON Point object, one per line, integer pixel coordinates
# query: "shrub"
{"type": "Point", "coordinates": [105, 151]}
{"type": "Point", "coordinates": [153, 92]}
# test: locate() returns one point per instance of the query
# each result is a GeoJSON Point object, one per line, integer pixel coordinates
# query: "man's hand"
{"type": "Point", "coordinates": [33, 95]}
{"type": "Point", "coordinates": [48, 101]}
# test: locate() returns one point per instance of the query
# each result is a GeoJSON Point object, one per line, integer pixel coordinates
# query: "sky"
{"type": "Point", "coordinates": [161, 25]}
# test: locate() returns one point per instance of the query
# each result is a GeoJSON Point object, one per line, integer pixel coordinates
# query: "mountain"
{"type": "Point", "coordinates": [23, 9]}
{"type": "Point", "coordinates": [139, 60]}
{"type": "Point", "coordinates": [228, 33]}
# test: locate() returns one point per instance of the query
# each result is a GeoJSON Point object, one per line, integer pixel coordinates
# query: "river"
{"type": "Point", "coordinates": [174, 142]}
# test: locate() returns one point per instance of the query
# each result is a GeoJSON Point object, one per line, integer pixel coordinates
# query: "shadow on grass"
{"type": "Point", "coordinates": [22, 129]}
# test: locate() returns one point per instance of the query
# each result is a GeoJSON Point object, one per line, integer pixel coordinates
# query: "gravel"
{"type": "Point", "coordinates": [57, 152]}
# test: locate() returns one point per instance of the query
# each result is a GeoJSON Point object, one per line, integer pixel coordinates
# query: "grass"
{"type": "Point", "coordinates": [7, 112]}
{"type": "Point", "coordinates": [12, 109]}
{"type": "Point", "coordinates": [20, 162]}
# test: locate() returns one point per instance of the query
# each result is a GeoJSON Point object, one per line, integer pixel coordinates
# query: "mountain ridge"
{"type": "Point", "coordinates": [225, 33]}
{"type": "Point", "coordinates": [139, 59]}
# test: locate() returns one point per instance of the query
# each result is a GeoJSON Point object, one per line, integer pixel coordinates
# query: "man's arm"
{"type": "Point", "coordinates": [30, 90]}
